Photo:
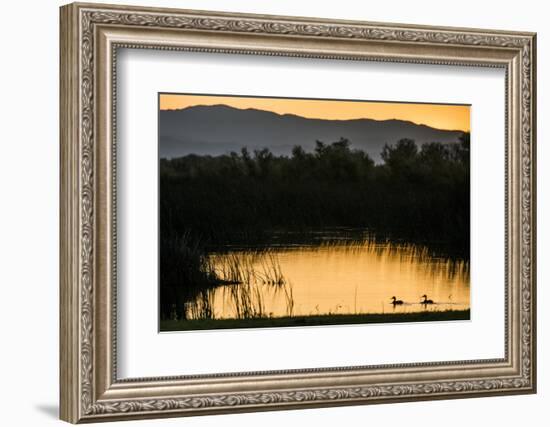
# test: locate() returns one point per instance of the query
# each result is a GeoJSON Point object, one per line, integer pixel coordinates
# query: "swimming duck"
{"type": "Point", "coordinates": [396, 301]}
{"type": "Point", "coordinates": [426, 300]}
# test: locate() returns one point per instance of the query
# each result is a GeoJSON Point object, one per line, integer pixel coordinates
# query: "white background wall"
{"type": "Point", "coordinates": [29, 171]}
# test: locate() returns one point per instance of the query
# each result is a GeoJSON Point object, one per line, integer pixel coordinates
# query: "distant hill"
{"type": "Point", "coordinates": [220, 129]}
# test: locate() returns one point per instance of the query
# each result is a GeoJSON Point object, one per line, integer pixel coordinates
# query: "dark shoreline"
{"type": "Point", "coordinates": [323, 320]}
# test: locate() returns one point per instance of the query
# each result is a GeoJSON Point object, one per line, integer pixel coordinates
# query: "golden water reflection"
{"type": "Point", "coordinates": [339, 278]}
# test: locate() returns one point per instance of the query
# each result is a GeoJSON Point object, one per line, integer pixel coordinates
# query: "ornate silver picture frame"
{"type": "Point", "coordinates": [91, 36]}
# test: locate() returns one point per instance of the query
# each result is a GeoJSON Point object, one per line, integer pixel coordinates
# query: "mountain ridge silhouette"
{"type": "Point", "coordinates": [220, 129]}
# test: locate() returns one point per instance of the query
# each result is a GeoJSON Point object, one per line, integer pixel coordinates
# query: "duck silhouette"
{"type": "Point", "coordinates": [426, 300]}
{"type": "Point", "coordinates": [396, 301]}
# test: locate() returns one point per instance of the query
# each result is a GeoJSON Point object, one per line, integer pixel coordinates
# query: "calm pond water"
{"type": "Point", "coordinates": [333, 277]}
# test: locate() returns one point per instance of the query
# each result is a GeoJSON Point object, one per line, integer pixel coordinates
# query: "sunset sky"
{"type": "Point", "coordinates": [440, 116]}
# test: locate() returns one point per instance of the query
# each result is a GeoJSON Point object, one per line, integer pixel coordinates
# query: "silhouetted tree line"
{"type": "Point", "coordinates": [416, 193]}
{"type": "Point", "coordinates": [421, 194]}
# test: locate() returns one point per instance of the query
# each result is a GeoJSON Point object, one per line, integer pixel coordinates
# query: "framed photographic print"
{"type": "Point", "coordinates": [262, 224]}
{"type": "Point", "coordinates": [263, 212]}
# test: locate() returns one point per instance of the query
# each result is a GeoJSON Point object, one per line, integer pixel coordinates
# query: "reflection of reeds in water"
{"type": "Point", "coordinates": [289, 298]}
{"type": "Point", "coordinates": [271, 270]}
{"type": "Point", "coordinates": [202, 307]}
{"type": "Point", "coordinates": [245, 284]}
{"type": "Point", "coordinates": [248, 300]}
{"type": "Point", "coordinates": [236, 268]}
{"type": "Point", "coordinates": [404, 252]}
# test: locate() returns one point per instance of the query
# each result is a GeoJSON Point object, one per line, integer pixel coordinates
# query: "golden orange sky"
{"type": "Point", "coordinates": [439, 116]}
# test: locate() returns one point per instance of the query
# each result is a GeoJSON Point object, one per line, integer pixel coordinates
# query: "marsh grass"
{"type": "Point", "coordinates": [244, 282]}
{"type": "Point", "coordinates": [406, 252]}
{"type": "Point", "coordinates": [185, 272]}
